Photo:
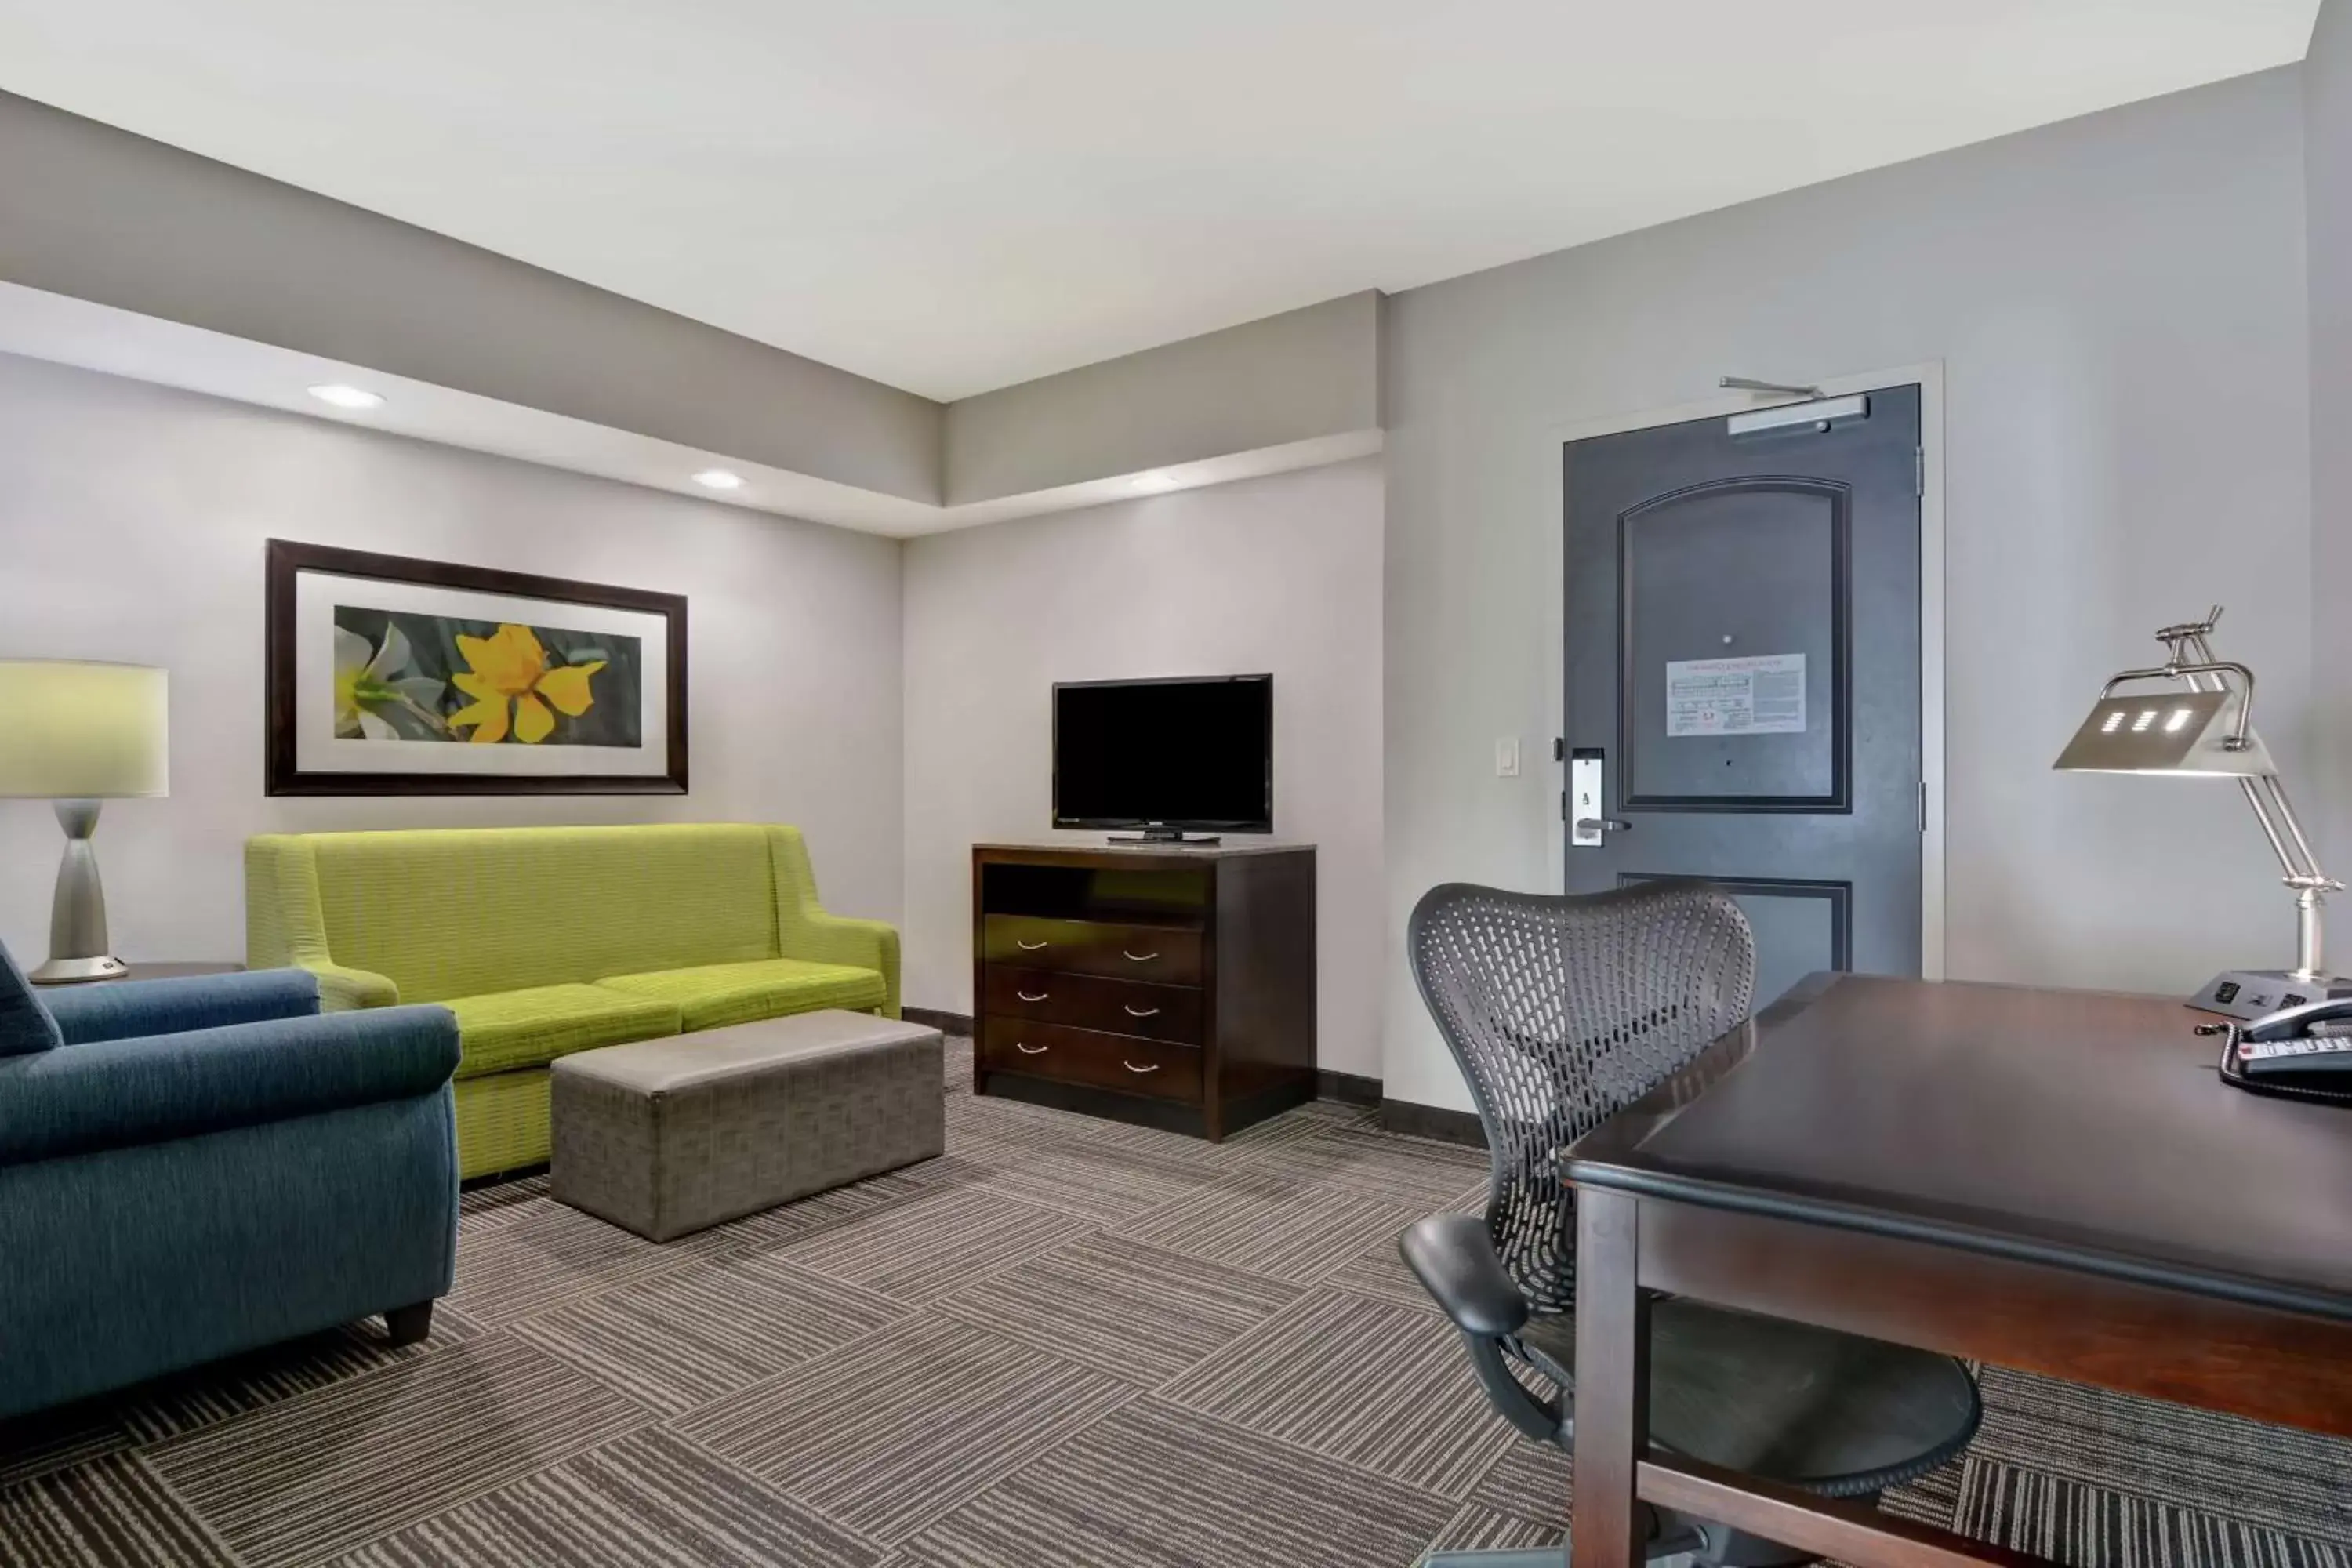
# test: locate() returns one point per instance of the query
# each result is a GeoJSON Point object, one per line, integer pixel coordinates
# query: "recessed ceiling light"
{"type": "Point", "coordinates": [342, 396]}
{"type": "Point", "coordinates": [1155, 481]}
{"type": "Point", "coordinates": [719, 479]}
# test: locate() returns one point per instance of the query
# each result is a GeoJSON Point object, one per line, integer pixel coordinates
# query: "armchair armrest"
{"type": "Point", "coordinates": [1453, 1257]}
{"type": "Point", "coordinates": [114, 1094]}
{"type": "Point", "coordinates": [129, 1008]}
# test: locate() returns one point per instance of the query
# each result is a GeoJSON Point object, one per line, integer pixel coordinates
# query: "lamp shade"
{"type": "Point", "coordinates": [2186, 733]}
{"type": "Point", "coordinates": [71, 730]}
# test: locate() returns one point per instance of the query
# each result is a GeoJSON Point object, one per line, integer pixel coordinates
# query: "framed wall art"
{"type": "Point", "coordinates": [388, 675]}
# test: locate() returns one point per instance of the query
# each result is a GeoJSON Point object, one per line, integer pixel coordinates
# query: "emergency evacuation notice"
{"type": "Point", "coordinates": [1763, 694]}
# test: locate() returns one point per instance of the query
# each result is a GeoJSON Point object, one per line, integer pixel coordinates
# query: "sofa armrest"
{"type": "Point", "coordinates": [114, 1094]}
{"type": "Point", "coordinates": [129, 1008]}
{"type": "Point", "coordinates": [821, 938]}
{"type": "Point", "coordinates": [342, 989]}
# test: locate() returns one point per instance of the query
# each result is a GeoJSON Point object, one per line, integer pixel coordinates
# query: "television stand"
{"type": "Point", "coordinates": [1174, 987]}
{"type": "Point", "coordinates": [1161, 836]}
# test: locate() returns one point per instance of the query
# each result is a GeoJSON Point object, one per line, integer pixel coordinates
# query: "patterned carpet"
{"type": "Point", "coordinates": [1066, 1342]}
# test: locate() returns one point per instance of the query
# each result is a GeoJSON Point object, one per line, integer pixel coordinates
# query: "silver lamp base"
{"type": "Point", "coordinates": [78, 944]}
{"type": "Point", "coordinates": [2255, 993]}
{"type": "Point", "coordinates": [74, 970]}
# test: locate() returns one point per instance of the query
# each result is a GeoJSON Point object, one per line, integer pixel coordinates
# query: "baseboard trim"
{"type": "Point", "coordinates": [501, 1178]}
{"type": "Point", "coordinates": [1350, 1089]}
{"type": "Point", "coordinates": [1432, 1121]}
{"type": "Point", "coordinates": [945, 1023]}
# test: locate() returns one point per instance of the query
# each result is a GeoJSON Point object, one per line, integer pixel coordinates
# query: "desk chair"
{"type": "Point", "coordinates": [1561, 1012]}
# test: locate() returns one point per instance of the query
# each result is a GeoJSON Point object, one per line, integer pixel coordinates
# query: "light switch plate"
{"type": "Point", "coordinates": [1507, 757]}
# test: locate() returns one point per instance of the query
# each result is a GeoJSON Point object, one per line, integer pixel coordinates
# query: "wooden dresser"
{"type": "Point", "coordinates": [1158, 984]}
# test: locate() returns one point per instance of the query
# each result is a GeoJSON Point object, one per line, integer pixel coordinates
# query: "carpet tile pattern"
{"type": "Point", "coordinates": [1370, 1384]}
{"type": "Point", "coordinates": [1121, 1306]}
{"type": "Point", "coordinates": [1159, 1486]}
{"type": "Point", "coordinates": [650, 1497]}
{"type": "Point", "coordinates": [307, 1477]}
{"type": "Point", "coordinates": [678, 1341]}
{"type": "Point", "coordinates": [1066, 1343]}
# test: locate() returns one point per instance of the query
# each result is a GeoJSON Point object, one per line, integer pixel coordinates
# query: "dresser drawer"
{"type": "Point", "coordinates": [1090, 1057]}
{"type": "Point", "coordinates": [1092, 1002]}
{"type": "Point", "coordinates": [1168, 955]}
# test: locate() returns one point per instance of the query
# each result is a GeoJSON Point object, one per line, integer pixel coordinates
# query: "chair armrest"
{"type": "Point", "coordinates": [1453, 1257]}
{"type": "Point", "coordinates": [342, 989]}
{"type": "Point", "coordinates": [116, 1094]}
{"type": "Point", "coordinates": [127, 1009]}
{"type": "Point", "coordinates": [839, 939]}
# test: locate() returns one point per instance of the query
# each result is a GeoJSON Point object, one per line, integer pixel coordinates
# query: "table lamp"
{"type": "Point", "coordinates": [76, 734]}
{"type": "Point", "coordinates": [2203, 728]}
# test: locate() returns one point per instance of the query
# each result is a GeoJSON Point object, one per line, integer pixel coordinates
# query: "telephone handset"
{"type": "Point", "coordinates": [2304, 1052]}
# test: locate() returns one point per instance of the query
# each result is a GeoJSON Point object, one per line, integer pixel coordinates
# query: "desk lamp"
{"type": "Point", "coordinates": [2204, 728]}
{"type": "Point", "coordinates": [76, 734]}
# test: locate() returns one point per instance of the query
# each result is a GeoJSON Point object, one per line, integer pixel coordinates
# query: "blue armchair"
{"type": "Point", "coordinates": [191, 1168]}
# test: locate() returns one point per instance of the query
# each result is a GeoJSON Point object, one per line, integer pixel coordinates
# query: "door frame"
{"type": "Point", "coordinates": [1929, 377]}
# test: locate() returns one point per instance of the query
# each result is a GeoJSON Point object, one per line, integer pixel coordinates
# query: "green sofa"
{"type": "Point", "coordinates": [545, 941]}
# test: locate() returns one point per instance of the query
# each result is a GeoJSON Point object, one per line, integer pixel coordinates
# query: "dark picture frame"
{"type": "Point", "coordinates": [288, 559]}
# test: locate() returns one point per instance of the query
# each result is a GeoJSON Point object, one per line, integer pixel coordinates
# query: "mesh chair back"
{"type": "Point", "coordinates": [1562, 1010]}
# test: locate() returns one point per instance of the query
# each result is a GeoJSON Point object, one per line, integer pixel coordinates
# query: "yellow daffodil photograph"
{"type": "Point", "coordinates": [404, 677]}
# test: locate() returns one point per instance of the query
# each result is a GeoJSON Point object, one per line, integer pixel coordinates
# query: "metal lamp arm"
{"type": "Point", "coordinates": [2284, 831]}
{"type": "Point", "coordinates": [2268, 797]}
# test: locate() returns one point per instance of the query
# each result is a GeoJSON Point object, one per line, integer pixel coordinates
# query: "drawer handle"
{"type": "Point", "coordinates": [1133, 1012]}
{"type": "Point", "coordinates": [1131, 1067]}
{"type": "Point", "coordinates": [1031, 1050]}
{"type": "Point", "coordinates": [1026, 997]}
{"type": "Point", "coordinates": [1140, 957]}
{"type": "Point", "coordinates": [1030, 946]}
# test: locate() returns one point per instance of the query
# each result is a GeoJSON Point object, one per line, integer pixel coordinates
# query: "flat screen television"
{"type": "Point", "coordinates": [1192, 754]}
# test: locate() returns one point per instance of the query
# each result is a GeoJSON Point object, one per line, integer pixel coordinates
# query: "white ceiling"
{"type": "Point", "coordinates": [958, 195]}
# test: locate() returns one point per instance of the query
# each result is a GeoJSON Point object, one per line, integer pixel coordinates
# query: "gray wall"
{"type": "Point", "coordinates": [2327, 180]}
{"type": "Point", "coordinates": [131, 524]}
{"type": "Point", "coordinates": [1279, 573]}
{"type": "Point", "coordinates": [2118, 303]}
{"type": "Point", "coordinates": [99, 213]}
{"type": "Point", "coordinates": [1302, 374]}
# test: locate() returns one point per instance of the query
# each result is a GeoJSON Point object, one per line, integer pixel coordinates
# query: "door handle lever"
{"type": "Point", "coordinates": [1601, 824]}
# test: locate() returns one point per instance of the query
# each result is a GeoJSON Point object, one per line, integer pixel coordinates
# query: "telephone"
{"type": "Point", "coordinates": [2303, 1053]}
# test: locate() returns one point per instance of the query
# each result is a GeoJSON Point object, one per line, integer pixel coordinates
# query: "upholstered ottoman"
{"type": "Point", "coordinates": [668, 1136]}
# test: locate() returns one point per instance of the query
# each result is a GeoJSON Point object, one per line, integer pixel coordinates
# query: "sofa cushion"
{"type": "Point", "coordinates": [528, 1028]}
{"type": "Point", "coordinates": [716, 994]}
{"type": "Point", "coordinates": [24, 1025]}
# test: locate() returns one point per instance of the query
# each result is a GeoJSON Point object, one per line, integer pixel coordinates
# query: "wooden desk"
{"type": "Point", "coordinates": [2049, 1180]}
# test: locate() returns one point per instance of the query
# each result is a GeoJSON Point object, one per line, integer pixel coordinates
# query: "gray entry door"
{"type": "Point", "coordinates": [1743, 674]}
